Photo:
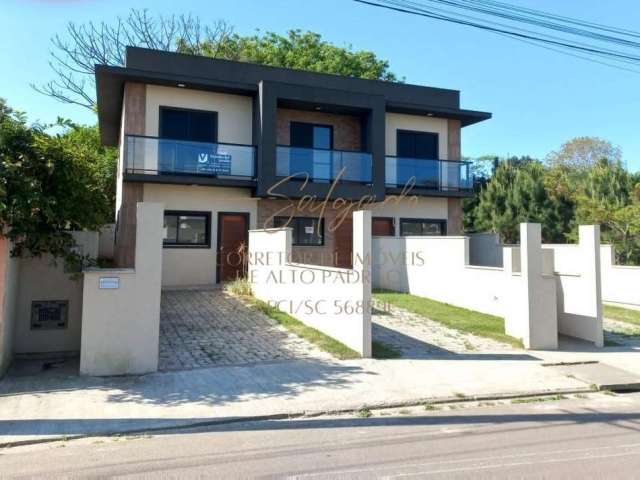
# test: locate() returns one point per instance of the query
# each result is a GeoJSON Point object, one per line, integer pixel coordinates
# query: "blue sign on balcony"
{"type": "Point", "coordinates": [214, 163]}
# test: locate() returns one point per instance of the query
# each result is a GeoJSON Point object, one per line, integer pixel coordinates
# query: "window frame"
{"type": "Point", "coordinates": [312, 125]}
{"type": "Point", "coordinates": [393, 225]}
{"type": "Point", "coordinates": [441, 221]}
{"type": "Point", "coordinates": [162, 108]}
{"type": "Point", "coordinates": [414, 132]}
{"type": "Point", "coordinates": [294, 229]}
{"type": "Point", "coordinates": [191, 213]}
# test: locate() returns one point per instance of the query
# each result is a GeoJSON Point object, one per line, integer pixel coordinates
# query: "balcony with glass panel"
{"type": "Point", "coordinates": [427, 174]}
{"type": "Point", "coordinates": [162, 156]}
{"type": "Point", "coordinates": [323, 165]}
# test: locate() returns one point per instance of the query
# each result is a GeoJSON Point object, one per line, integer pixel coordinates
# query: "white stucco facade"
{"type": "Point", "coordinates": [620, 283]}
{"type": "Point", "coordinates": [121, 323]}
{"type": "Point", "coordinates": [235, 112]}
{"type": "Point", "coordinates": [335, 301]}
{"type": "Point", "coordinates": [419, 123]}
{"type": "Point", "coordinates": [197, 266]}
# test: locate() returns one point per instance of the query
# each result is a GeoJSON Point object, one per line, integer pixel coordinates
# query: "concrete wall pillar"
{"type": "Point", "coordinates": [121, 307]}
{"type": "Point", "coordinates": [362, 264]}
{"type": "Point", "coordinates": [530, 307]}
{"type": "Point", "coordinates": [589, 236]}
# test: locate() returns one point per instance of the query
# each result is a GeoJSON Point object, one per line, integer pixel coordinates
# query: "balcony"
{"type": "Point", "coordinates": [324, 166]}
{"type": "Point", "coordinates": [438, 175]}
{"type": "Point", "coordinates": [163, 156]}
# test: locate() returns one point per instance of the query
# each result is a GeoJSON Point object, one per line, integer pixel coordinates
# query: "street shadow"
{"type": "Point", "coordinates": [160, 426]}
{"type": "Point", "coordinates": [572, 344]}
{"type": "Point", "coordinates": [415, 349]}
{"type": "Point", "coordinates": [215, 386]}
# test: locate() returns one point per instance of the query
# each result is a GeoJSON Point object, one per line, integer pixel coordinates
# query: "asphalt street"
{"type": "Point", "coordinates": [594, 437]}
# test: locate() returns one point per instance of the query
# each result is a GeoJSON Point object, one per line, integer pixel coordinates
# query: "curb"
{"type": "Point", "coordinates": [306, 414]}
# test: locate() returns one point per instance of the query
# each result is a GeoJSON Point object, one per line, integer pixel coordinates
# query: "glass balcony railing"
{"type": "Point", "coordinates": [163, 156]}
{"type": "Point", "coordinates": [441, 175]}
{"type": "Point", "coordinates": [323, 165]}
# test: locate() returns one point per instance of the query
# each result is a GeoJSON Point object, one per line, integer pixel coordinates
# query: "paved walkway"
{"type": "Point", "coordinates": [420, 338]}
{"type": "Point", "coordinates": [41, 407]}
{"type": "Point", "coordinates": [206, 328]}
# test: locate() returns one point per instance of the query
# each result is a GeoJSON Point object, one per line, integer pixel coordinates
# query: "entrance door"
{"type": "Point", "coordinates": [343, 238]}
{"type": "Point", "coordinates": [233, 241]}
{"type": "Point", "coordinates": [314, 153]}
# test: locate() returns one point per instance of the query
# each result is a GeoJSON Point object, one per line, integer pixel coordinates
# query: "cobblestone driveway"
{"type": "Point", "coordinates": [205, 328]}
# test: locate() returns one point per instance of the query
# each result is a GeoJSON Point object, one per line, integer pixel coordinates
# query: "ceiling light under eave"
{"type": "Point", "coordinates": [181, 85]}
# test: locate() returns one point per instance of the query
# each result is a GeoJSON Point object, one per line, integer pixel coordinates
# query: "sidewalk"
{"type": "Point", "coordinates": [49, 406]}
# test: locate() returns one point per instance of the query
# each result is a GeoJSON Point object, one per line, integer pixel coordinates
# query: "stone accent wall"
{"type": "Point", "coordinates": [454, 205]}
{"type": "Point", "coordinates": [324, 255]}
{"type": "Point", "coordinates": [453, 140]}
{"type": "Point", "coordinates": [124, 251]}
{"type": "Point", "coordinates": [347, 129]}
{"type": "Point", "coordinates": [454, 216]}
{"type": "Point", "coordinates": [134, 111]}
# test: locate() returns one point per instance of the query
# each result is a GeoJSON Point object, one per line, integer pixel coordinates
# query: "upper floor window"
{"type": "Point", "coordinates": [191, 125]}
{"type": "Point", "coordinates": [412, 144]}
{"type": "Point", "coordinates": [309, 135]}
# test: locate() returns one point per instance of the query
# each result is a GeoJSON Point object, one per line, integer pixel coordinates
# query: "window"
{"type": "Point", "coordinates": [187, 229]}
{"type": "Point", "coordinates": [417, 144]}
{"type": "Point", "coordinates": [420, 153]}
{"type": "Point", "coordinates": [309, 135]}
{"type": "Point", "coordinates": [191, 125]}
{"type": "Point", "coordinates": [305, 230]}
{"type": "Point", "coordinates": [422, 227]}
{"type": "Point", "coordinates": [382, 227]}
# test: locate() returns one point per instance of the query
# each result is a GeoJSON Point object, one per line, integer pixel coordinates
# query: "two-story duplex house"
{"type": "Point", "coordinates": [229, 146]}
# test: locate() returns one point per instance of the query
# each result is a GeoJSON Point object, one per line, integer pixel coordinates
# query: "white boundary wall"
{"type": "Point", "coordinates": [335, 301]}
{"type": "Point", "coordinates": [438, 268]}
{"type": "Point", "coordinates": [579, 286]}
{"type": "Point", "coordinates": [620, 283]}
{"type": "Point", "coordinates": [121, 326]}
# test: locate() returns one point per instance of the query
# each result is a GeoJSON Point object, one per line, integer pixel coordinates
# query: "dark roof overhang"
{"type": "Point", "coordinates": [202, 73]}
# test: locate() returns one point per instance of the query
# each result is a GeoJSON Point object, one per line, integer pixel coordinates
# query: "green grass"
{"type": "Point", "coordinates": [622, 314]}
{"type": "Point", "coordinates": [383, 351]}
{"type": "Point", "coordinates": [460, 319]}
{"type": "Point", "coordinates": [319, 339]}
{"type": "Point", "coordinates": [239, 286]}
{"type": "Point", "coordinates": [550, 398]}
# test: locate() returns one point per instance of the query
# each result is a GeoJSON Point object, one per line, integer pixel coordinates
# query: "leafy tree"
{"type": "Point", "coordinates": [481, 169]}
{"type": "Point", "coordinates": [73, 56]}
{"type": "Point", "coordinates": [516, 193]}
{"type": "Point", "coordinates": [584, 152]}
{"type": "Point", "coordinates": [51, 184]}
{"type": "Point", "coordinates": [297, 49]}
{"type": "Point", "coordinates": [610, 197]}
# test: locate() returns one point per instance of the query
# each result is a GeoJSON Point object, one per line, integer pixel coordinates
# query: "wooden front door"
{"type": "Point", "coordinates": [343, 244]}
{"type": "Point", "coordinates": [233, 242]}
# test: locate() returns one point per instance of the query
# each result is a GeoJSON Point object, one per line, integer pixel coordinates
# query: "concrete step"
{"type": "Point", "coordinates": [604, 376]}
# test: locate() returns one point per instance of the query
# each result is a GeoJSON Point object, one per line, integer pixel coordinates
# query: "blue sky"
{"type": "Point", "coordinates": [539, 98]}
